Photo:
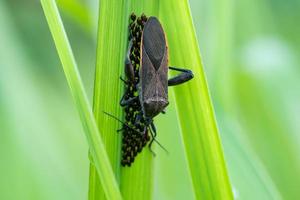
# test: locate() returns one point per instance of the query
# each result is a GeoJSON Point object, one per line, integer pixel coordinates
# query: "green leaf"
{"type": "Point", "coordinates": [198, 126]}
{"type": "Point", "coordinates": [111, 44]}
{"type": "Point", "coordinates": [202, 145]}
{"type": "Point", "coordinates": [135, 181]}
{"type": "Point", "coordinates": [97, 150]}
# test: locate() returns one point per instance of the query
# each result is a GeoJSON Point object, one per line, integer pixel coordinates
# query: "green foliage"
{"type": "Point", "coordinates": [195, 113]}
{"type": "Point", "coordinates": [136, 181]}
{"type": "Point", "coordinates": [111, 44]}
{"type": "Point", "coordinates": [250, 54]}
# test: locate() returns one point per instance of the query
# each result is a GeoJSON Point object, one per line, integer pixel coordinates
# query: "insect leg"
{"type": "Point", "coordinates": [119, 130]}
{"type": "Point", "coordinates": [123, 98]}
{"type": "Point", "coordinates": [153, 135]}
{"type": "Point", "coordinates": [138, 118]}
{"type": "Point", "coordinates": [123, 80]}
{"type": "Point", "coordinates": [127, 102]}
{"type": "Point", "coordinates": [129, 70]}
{"type": "Point", "coordinates": [184, 76]}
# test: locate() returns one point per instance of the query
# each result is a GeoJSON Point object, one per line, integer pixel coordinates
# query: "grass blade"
{"type": "Point", "coordinates": [199, 131]}
{"type": "Point", "coordinates": [111, 44]}
{"type": "Point", "coordinates": [96, 145]}
{"type": "Point", "coordinates": [244, 166]}
{"type": "Point", "coordinates": [135, 182]}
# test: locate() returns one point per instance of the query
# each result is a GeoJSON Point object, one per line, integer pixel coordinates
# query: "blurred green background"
{"type": "Point", "coordinates": [250, 50]}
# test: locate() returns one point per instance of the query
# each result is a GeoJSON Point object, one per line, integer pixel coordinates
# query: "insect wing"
{"type": "Point", "coordinates": [154, 69]}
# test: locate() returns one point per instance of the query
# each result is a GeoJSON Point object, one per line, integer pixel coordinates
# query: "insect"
{"type": "Point", "coordinates": [146, 95]}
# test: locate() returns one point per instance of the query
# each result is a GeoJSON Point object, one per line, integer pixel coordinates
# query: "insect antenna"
{"type": "Point", "coordinates": [155, 140]}
{"type": "Point", "coordinates": [124, 123]}
{"type": "Point", "coordinates": [127, 125]}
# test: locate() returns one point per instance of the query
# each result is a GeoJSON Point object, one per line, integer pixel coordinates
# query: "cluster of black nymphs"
{"type": "Point", "coordinates": [135, 134]}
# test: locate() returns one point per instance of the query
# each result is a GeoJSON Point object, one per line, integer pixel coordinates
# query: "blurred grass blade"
{"type": "Point", "coordinates": [96, 145]}
{"type": "Point", "coordinates": [199, 131]}
{"type": "Point", "coordinates": [245, 167]}
{"type": "Point", "coordinates": [78, 11]}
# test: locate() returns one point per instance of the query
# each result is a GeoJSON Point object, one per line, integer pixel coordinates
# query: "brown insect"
{"type": "Point", "coordinates": [153, 75]}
